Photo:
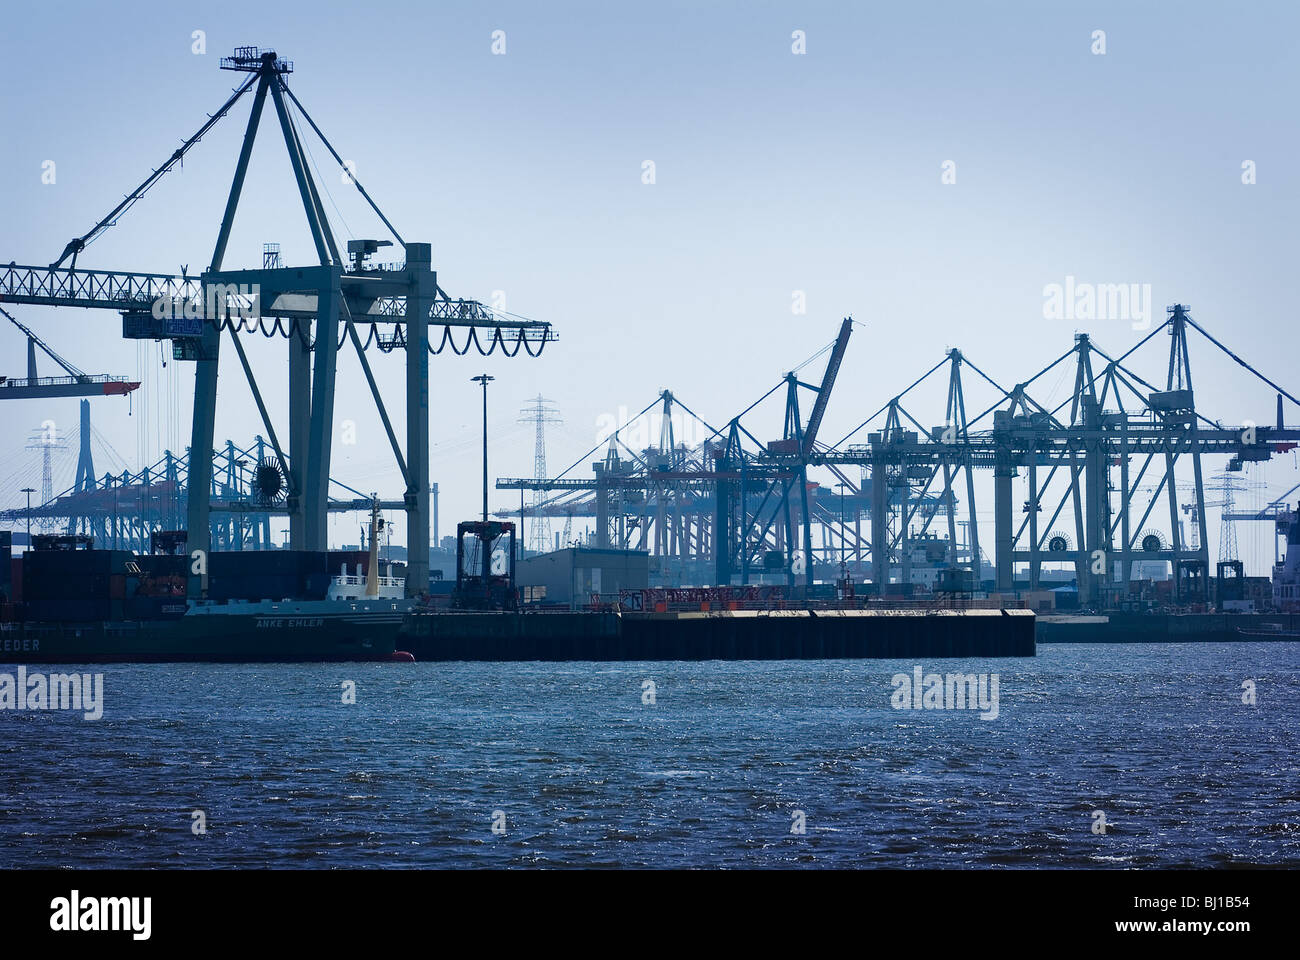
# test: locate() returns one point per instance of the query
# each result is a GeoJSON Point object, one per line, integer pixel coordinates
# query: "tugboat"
{"type": "Point", "coordinates": [354, 621]}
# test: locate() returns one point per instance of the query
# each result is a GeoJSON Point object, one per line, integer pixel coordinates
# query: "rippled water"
{"type": "Point", "coordinates": [1156, 736]}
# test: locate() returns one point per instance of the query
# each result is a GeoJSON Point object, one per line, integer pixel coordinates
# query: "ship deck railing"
{"type": "Point", "coordinates": [355, 581]}
{"type": "Point", "coordinates": [634, 602]}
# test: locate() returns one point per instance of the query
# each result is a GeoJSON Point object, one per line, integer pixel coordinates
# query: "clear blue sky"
{"type": "Point", "coordinates": [774, 173]}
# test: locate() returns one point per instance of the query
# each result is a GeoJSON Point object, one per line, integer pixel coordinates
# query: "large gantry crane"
{"type": "Point", "coordinates": [1117, 422]}
{"type": "Point", "coordinates": [316, 308]}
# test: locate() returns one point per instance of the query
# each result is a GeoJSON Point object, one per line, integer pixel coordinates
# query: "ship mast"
{"type": "Point", "coordinates": [372, 568]}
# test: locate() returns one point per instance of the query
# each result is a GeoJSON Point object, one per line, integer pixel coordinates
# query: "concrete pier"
{"type": "Point", "coordinates": [732, 635]}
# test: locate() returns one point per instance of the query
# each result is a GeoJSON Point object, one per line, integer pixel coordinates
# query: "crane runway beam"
{"type": "Point", "coordinates": [109, 289]}
{"type": "Point", "coordinates": [140, 292]}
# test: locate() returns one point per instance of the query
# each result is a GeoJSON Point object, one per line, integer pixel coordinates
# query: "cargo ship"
{"type": "Point", "coordinates": [81, 605]}
{"type": "Point", "coordinates": [1286, 574]}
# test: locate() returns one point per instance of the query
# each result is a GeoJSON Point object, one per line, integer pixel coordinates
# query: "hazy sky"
{"type": "Point", "coordinates": [774, 172]}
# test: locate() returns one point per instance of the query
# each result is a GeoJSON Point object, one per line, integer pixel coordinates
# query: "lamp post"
{"type": "Point", "coordinates": [240, 485]}
{"type": "Point", "coordinates": [844, 549]}
{"type": "Point", "coordinates": [844, 560]}
{"type": "Point", "coordinates": [29, 491]}
{"type": "Point", "coordinates": [146, 505]}
{"type": "Point", "coordinates": [484, 379]}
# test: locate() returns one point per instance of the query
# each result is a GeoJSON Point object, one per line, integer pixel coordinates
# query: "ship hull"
{"type": "Point", "coordinates": [234, 638]}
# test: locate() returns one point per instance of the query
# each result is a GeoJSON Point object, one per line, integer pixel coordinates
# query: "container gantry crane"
{"type": "Point", "coordinates": [317, 308]}
{"type": "Point", "coordinates": [1099, 469]}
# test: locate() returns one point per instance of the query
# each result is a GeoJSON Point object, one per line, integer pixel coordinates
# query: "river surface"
{"type": "Point", "coordinates": [767, 764]}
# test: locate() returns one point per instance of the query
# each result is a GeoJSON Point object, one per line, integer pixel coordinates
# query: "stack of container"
{"type": "Point", "coordinates": [75, 585]}
{"type": "Point", "coordinates": [158, 593]}
{"type": "Point", "coordinates": [268, 575]}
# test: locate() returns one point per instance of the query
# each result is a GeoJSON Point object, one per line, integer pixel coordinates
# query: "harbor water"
{"type": "Point", "coordinates": [668, 764]}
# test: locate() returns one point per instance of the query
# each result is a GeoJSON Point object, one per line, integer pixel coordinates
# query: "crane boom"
{"type": "Point", "coordinates": [77, 244]}
{"type": "Point", "coordinates": [828, 382]}
{"type": "Point", "coordinates": [34, 341]}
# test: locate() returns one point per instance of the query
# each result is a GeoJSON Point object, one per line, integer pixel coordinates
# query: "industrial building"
{"type": "Point", "coordinates": [576, 577]}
